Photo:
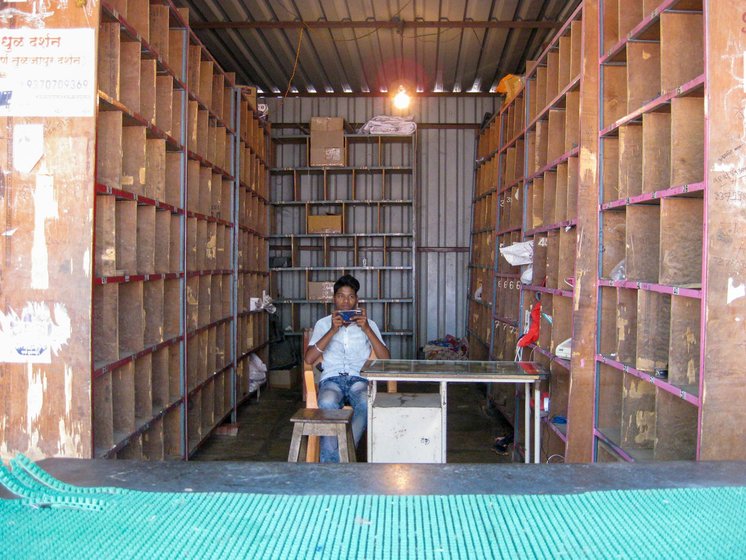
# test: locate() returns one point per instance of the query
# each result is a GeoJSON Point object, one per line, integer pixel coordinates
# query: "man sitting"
{"type": "Point", "coordinates": [344, 342]}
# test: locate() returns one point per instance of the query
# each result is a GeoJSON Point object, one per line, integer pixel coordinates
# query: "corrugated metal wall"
{"type": "Point", "coordinates": [446, 178]}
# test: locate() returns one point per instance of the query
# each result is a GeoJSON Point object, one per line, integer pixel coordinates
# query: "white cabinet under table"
{"type": "Point", "coordinates": [411, 427]}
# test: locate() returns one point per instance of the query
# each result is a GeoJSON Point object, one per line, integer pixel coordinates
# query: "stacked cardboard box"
{"type": "Point", "coordinates": [327, 142]}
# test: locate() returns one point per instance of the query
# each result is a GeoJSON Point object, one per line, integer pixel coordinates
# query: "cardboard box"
{"type": "Point", "coordinates": [324, 223]}
{"type": "Point", "coordinates": [284, 378]}
{"type": "Point", "coordinates": [327, 142]}
{"type": "Point", "coordinates": [322, 291]}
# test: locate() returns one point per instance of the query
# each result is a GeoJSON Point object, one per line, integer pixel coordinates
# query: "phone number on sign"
{"type": "Point", "coordinates": [56, 84]}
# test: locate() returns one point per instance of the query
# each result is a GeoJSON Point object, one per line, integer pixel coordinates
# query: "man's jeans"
{"type": "Point", "coordinates": [334, 392]}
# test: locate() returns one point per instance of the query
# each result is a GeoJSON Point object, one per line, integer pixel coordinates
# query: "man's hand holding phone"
{"type": "Point", "coordinates": [349, 316]}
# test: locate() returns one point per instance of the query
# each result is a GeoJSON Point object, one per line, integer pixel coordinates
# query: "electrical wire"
{"type": "Point", "coordinates": [295, 67]}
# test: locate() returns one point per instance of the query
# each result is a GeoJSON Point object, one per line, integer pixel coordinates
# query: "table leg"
{"type": "Point", "coordinates": [444, 414]}
{"type": "Point", "coordinates": [369, 430]}
{"type": "Point", "coordinates": [526, 423]}
{"type": "Point", "coordinates": [537, 422]}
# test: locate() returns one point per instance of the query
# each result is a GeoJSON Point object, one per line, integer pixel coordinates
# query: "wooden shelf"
{"type": "Point", "coordinates": [166, 236]}
{"type": "Point", "coordinates": [372, 200]}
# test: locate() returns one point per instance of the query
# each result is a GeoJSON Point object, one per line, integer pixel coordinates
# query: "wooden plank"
{"type": "Point", "coordinates": [155, 169]}
{"type": "Point", "coordinates": [572, 120]}
{"type": "Point", "coordinates": [173, 179]}
{"type": "Point", "coordinates": [680, 242]}
{"type": "Point", "coordinates": [152, 442]}
{"type": "Point", "coordinates": [607, 334]}
{"type": "Point", "coordinates": [626, 326]}
{"type": "Point", "coordinates": [653, 330]}
{"type": "Point", "coordinates": [145, 247]}
{"type": "Point", "coordinates": [550, 194]}
{"type": "Point", "coordinates": [205, 82]}
{"type": "Point", "coordinates": [126, 237]}
{"type": "Point", "coordinates": [576, 43]}
{"type": "Point", "coordinates": [656, 151]}
{"type": "Point", "coordinates": [560, 200]}
{"type": "Point", "coordinates": [630, 160]}
{"type": "Point", "coordinates": [162, 263]}
{"type": "Point", "coordinates": [171, 312]}
{"type": "Point", "coordinates": [566, 264]}
{"type": "Point", "coordinates": [138, 15]}
{"type": "Point", "coordinates": [685, 343]}
{"type": "Point", "coordinates": [537, 203]}
{"type": "Point", "coordinates": [687, 140]}
{"type": "Point", "coordinates": [556, 135]}
{"type": "Point", "coordinates": [109, 148]}
{"type": "Point", "coordinates": [682, 48]}
{"type": "Point", "coordinates": [675, 428]}
{"type": "Point", "coordinates": [542, 144]}
{"type": "Point", "coordinates": [614, 236]}
{"type": "Point", "coordinates": [553, 255]}
{"type": "Point", "coordinates": [191, 248]}
{"type": "Point", "coordinates": [103, 423]}
{"type": "Point", "coordinates": [563, 73]}
{"type": "Point", "coordinates": [630, 13]}
{"type": "Point", "coordinates": [106, 324]}
{"type": "Point", "coordinates": [131, 319]}
{"type": "Point", "coordinates": [108, 59]}
{"type": "Point", "coordinates": [643, 73]}
{"type": "Point", "coordinates": [153, 301]}
{"type": "Point", "coordinates": [638, 414]}
{"type": "Point", "coordinates": [572, 188]}
{"type": "Point", "coordinates": [143, 388]}
{"type": "Point", "coordinates": [552, 75]}
{"type": "Point", "coordinates": [610, 23]}
{"type": "Point", "coordinates": [147, 89]}
{"type": "Point", "coordinates": [615, 94]}
{"type": "Point", "coordinates": [159, 32]}
{"type": "Point", "coordinates": [133, 159]}
{"type": "Point", "coordinates": [610, 393]}
{"type": "Point", "coordinates": [129, 82]}
{"type": "Point", "coordinates": [642, 243]}
{"type": "Point", "coordinates": [164, 103]}
{"type": "Point", "coordinates": [610, 174]}
{"type": "Point", "coordinates": [123, 400]}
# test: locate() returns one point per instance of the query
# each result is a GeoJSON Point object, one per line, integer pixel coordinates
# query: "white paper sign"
{"type": "Point", "coordinates": [28, 146]}
{"type": "Point", "coordinates": [34, 335]}
{"type": "Point", "coordinates": [47, 72]}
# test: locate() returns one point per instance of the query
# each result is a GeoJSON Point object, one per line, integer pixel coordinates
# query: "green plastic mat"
{"type": "Point", "coordinates": [56, 520]}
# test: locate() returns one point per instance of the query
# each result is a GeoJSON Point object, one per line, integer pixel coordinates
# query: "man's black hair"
{"type": "Point", "coordinates": [347, 280]}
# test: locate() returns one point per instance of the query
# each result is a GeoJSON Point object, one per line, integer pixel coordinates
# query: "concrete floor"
{"type": "Point", "coordinates": [265, 430]}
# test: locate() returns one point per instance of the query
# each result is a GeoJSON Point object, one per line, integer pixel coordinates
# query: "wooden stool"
{"type": "Point", "coordinates": [320, 422]}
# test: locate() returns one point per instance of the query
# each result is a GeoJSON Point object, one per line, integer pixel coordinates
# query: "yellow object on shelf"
{"type": "Point", "coordinates": [510, 85]}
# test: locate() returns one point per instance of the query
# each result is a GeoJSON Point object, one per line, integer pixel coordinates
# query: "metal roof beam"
{"type": "Point", "coordinates": [390, 24]}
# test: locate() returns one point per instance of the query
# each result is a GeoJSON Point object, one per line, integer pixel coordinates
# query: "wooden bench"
{"type": "Point", "coordinates": [314, 422]}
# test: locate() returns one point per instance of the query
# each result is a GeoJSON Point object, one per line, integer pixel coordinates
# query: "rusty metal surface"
{"type": "Point", "coordinates": [436, 46]}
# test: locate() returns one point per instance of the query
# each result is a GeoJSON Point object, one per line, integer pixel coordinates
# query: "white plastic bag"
{"type": "Point", "coordinates": [519, 253]}
{"type": "Point", "coordinates": [257, 369]}
{"type": "Point", "coordinates": [527, 275]}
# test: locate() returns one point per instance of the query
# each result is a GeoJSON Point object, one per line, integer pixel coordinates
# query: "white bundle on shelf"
{"type": "Point", "coordinates": [392, 126]}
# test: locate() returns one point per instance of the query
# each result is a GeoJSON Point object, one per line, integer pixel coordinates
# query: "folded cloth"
{"type": "Point", "coordinates": [387, 125]}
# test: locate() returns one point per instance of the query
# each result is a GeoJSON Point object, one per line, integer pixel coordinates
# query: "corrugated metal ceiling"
{"type": "Point", "coordinates": [370, 46]}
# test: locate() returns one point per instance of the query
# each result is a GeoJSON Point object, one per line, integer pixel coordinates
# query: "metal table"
{"type": "Point", "coordinates": [443, 372]}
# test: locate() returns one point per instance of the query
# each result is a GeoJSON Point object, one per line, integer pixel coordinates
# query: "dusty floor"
{"type": "Point", "coordinates": [265, 429]}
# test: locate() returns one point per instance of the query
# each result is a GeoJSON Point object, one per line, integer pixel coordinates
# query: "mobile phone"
{"type": "Point", "coordinates": [348, 314]}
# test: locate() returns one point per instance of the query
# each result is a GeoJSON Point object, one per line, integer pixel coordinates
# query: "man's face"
{"type": "Point", "coordinates": [345, 298]}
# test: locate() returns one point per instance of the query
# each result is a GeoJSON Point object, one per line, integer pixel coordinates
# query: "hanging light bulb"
{"type": "Point", "coordinates": [402, 99]}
